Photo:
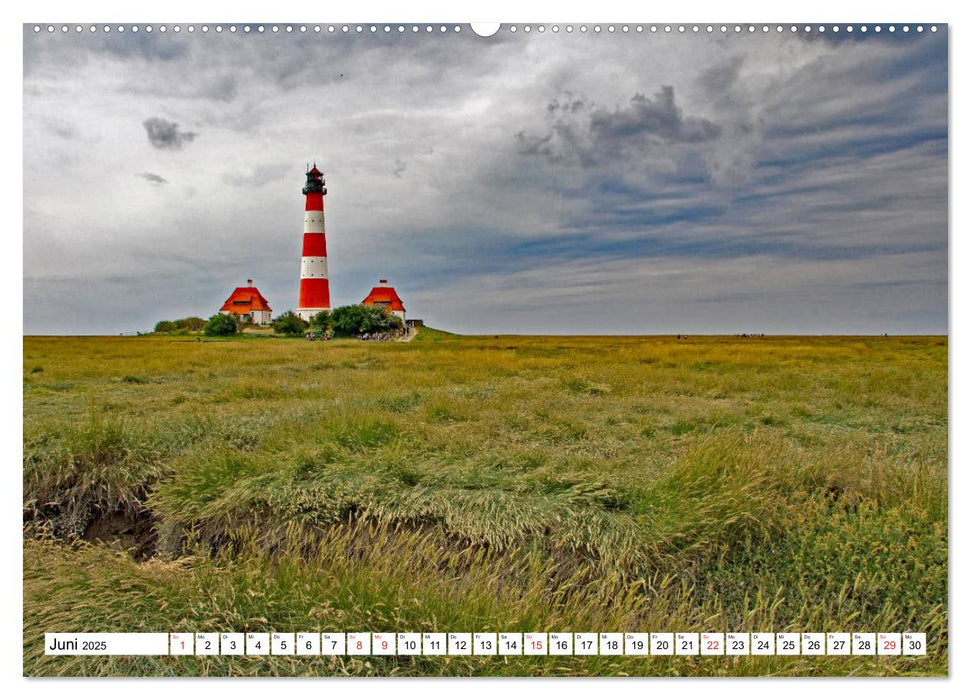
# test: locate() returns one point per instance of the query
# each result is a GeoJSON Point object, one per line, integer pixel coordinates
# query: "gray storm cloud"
{"type": "Point", "coordinates": [153, 179]}
{"type": "Point", "coordinates": [653, 119]}
{"type": "Point", "coordinates": [580, 129]}
{"type": "Point", "coordinates": [166, 135]}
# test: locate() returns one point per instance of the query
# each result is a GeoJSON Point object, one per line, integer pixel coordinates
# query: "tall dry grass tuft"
{"type": "Point", "coordinates": [102, 465]}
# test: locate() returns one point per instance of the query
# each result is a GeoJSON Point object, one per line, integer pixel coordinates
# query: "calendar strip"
{"type": "Point", "coordinates": [705, 644]}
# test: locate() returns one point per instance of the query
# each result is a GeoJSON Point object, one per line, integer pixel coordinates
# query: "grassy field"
{"type": "Point", "coordinates": [486, 484]}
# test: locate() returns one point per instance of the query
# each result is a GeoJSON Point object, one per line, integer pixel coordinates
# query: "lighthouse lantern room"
{"type": "Point", "coordinates": [314, 284]}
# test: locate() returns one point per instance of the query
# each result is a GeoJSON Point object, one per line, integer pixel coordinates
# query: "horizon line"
{"type": "Point", "coordinates": [944, 334]}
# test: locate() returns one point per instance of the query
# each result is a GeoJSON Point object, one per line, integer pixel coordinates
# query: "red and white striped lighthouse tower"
{"type": "Point", "coordinates": [314, 286]}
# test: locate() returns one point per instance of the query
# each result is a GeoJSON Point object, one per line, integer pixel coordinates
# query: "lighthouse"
{"type": "Point", "coordinates": [314, 286]}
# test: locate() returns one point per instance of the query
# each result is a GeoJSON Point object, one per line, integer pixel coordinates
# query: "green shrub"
{"type": "Point", "coordinates": [320, 321]}
{"type": "Point", "coordinates": [190, 323]}
{"type": "Point", "coordinates": [357, 319]}
{"type": "Point", "coordinates": [220, 324]}
{"type": "Point", "coordinates": [289, 324]}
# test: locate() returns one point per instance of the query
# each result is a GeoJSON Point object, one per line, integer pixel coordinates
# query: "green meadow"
{"type": "Point", "coordinates": [510, 483]}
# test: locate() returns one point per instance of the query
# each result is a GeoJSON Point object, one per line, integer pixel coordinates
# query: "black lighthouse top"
{"type": "Point", "coordinates": [315, 182]}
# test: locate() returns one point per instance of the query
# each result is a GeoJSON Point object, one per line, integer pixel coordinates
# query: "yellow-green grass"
{"type": "Point", "coordinates": [486, 484]}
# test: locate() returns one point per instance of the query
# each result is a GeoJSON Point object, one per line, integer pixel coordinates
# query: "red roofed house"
{"type": "Point", "coordinates": [386, 296]}
{"type": "Point", "coordinates": [248, 302]}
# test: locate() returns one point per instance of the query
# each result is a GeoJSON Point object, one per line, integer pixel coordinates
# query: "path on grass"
{"type": "Point", "coordinates": [412, 332]}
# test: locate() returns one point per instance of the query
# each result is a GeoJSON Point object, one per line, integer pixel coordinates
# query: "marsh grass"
{"type": "Point", "coordinates": [516, 483]}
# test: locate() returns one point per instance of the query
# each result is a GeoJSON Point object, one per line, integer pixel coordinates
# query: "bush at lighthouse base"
{"type": "Point", "coordinates": [320, 321]}
{"type": "Point", "coordinates": [353, 320]}
{"type": "Point", "coordinates": [289, 324]}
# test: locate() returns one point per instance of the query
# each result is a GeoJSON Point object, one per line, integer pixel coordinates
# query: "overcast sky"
{"type": "Point", "coordinates": [541, 183]}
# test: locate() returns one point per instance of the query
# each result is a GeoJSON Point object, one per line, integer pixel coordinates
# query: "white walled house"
{"type": "Point", "coordinates": [387, 297]}
{"type": "Point", "coordinates": [247, 302]}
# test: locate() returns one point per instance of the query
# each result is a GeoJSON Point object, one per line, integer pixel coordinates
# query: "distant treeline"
{"type": "Point", "coordinates": [344, 321]}
{"type": "Point", "coordinates": [192, 323]}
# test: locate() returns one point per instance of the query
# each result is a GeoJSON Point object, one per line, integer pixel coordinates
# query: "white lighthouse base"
{"type": "Point", "coordinates": [307, 314]}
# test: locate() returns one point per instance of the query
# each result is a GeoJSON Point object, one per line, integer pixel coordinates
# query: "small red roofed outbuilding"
{"type": "Point", "coordinates": [248, 302]}
{"type": "Point", "coordinates": [386, 296]}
